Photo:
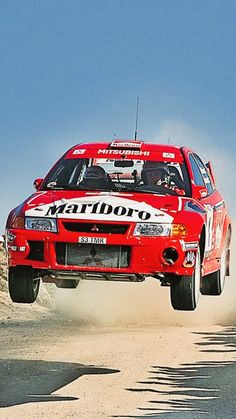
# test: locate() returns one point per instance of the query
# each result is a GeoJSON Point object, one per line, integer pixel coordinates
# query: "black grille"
{"type": "Point", "coordinates": [36, 250]}
{"type": "Point", "coordinates": [97, 228]}
{"type": "Point", "coordinates": [92, 255]}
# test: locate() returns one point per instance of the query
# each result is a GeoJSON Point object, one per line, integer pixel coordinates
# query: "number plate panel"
{"type": "Point", "coordinates": [92, 240]}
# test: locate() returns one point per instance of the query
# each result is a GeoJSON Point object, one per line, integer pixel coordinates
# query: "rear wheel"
{"type": "Point", "coordinates": [23, 286]}
{"type": "Point", "coordinates": [185, 289]}
{"type": "Point", "coordinates": [213, 283]}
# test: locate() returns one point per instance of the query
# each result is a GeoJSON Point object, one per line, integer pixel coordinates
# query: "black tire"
{"type": "Point", "coordinates": [23, 287]}
{"type": "Point", "coordinates": [185, 289]}
{"type": "Point", "coordinates": [66, 283]}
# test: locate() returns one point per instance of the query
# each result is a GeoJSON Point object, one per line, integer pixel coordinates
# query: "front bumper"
{"type": "Point", "coordinates": [39, 250]}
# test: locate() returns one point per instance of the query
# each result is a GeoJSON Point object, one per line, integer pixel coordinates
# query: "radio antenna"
{"type": "Point", "coordinates": [136, 123]}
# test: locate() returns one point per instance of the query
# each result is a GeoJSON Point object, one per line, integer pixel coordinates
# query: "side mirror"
{"type": "Point", "coordinates": [210, 171]}
{"type": "Point", "coordinates": [37, 183]}
{"type": "Point", "coordinates": [199, 192]}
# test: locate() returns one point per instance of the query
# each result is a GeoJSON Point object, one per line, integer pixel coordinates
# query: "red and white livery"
{"type": "Point", "coordinates": [125, 211]}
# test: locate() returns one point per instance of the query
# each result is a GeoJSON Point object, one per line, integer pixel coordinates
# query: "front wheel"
{"type": "Point", "coordinates": [23, 287]}
{"type": "Point", "coordinates": [185, 289]}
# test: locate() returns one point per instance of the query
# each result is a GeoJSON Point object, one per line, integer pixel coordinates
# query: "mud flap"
{"type": "Point", "coordinates": [227, 272]}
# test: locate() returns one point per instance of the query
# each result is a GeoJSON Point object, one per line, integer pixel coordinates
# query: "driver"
{"type": "Point", "coordinates": [155, 173]}
{"type": "Point", "coordinates": [95, 177]}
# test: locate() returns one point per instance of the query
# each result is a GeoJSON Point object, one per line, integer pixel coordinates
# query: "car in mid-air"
{"type": "Point", "coordinates": [122, 210]}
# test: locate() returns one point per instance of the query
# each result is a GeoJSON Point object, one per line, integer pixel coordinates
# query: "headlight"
{"type": "Point", "coordinates": [146, 229]}
{"type": "Point", "coordinates": [41, 224]}
{"type": "Point", "coordinates": [174, 230]}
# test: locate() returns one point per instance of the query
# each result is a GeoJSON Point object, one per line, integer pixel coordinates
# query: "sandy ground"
{"type": "Point", "coordinates": [117, 350]}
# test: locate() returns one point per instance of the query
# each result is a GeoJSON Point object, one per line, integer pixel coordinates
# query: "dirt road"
{"type": "Point", "coordinates": [147, 361]}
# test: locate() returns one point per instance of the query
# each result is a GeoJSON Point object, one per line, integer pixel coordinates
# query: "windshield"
{"type": "Point", "coordinates": [119, 175]}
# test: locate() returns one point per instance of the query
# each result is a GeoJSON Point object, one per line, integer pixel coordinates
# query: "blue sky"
{"type": "Point", "coordinates": [71, 71]}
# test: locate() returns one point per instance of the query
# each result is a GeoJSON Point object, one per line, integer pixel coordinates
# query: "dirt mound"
{"type": "Point", "coordinates": [3, 271]}
{"type": "Point", "coordinates": [12, 311]}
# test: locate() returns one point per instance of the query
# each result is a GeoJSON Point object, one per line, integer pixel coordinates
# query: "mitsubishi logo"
{"type": "Point", "coordinates": [94, 228]}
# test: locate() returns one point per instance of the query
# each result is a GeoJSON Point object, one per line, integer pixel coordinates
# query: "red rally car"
{"type": "Point", "coordinates": [122, 210]}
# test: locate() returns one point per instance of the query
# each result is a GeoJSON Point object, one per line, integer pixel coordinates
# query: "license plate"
{"type": "Point", "coordinates": [92, 240]}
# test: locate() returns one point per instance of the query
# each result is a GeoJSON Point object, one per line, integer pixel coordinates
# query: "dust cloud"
{"type": "Point", "coordinates": [147, 303]}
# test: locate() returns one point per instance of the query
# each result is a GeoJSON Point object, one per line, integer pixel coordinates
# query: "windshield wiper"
{"type": "Point", "coordinates": [115, 188]}
{"type": "Point", "coordinates": [134, 189]}
{"type": "Point", "coordinates": [157, 189]}
{"type": "Point", "coordinates": [54, 185]}
{"type": "Point", "coordinates": [81, 188]}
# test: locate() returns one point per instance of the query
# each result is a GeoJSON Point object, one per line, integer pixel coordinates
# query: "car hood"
{"type": "Point", "coordinates": [104, 206]}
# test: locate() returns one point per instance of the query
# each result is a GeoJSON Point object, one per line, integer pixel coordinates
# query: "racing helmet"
{"type": "Point", "coordinates": [155, 173]}
{"type": "Point", "coordinates": [95, 177]}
